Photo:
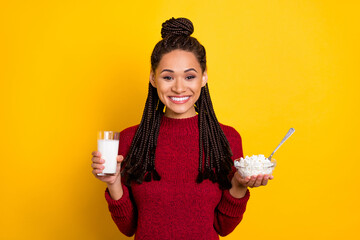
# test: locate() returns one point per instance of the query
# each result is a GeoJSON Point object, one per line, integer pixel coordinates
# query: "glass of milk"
{"type": "Point", "coordinates": [108, 146]}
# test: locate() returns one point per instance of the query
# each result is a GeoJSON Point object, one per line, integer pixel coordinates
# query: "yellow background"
{"type": "Point", "coordinates": [70, 68]}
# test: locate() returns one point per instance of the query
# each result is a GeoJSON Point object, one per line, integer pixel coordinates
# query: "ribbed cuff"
{"type": "Point", "coordinates": [233, 207]}
{"type": "Point", "coordinates": [121, 207]}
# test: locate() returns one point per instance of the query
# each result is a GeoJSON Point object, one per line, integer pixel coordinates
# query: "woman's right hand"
{"type": "Point", "coordinates": [97, 165]}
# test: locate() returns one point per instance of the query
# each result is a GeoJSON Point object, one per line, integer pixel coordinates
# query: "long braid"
{"type": "Point", "coordinates": [215, 145]}
{"type": "Point", "coordinates": [139, 160]}
{"type": "Point", "coordinates": [198, 105]}
{"type": "Point", "coordinates": [160, 109]}
{"type": "Point", "coordinates": [221, 145]}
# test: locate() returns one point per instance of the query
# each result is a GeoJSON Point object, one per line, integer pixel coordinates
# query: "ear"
{"type": "Point", "coordinates": [204, 78]}
{"type": "Point", "coordinates": [152, 79]}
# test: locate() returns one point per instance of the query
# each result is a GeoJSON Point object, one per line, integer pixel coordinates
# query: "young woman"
{"type": "Point", "coordinates": [175, 177]}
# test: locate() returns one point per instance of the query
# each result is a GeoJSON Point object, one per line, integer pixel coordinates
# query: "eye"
{"type": "Point", "coordinates": [167, 77]}
{"type": "Point", "coordinates": [190, 77]}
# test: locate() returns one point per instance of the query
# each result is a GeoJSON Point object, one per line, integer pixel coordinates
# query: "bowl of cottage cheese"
{"type": "Point", "coordinates": [254, 165]}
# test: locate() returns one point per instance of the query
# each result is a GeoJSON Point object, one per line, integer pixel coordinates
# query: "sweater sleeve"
{"type": "Point", "coordinates": [124, 211]}
{"type": "Point", "coordinates": [230, 210]}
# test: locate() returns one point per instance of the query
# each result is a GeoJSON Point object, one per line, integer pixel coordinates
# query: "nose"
{"type": "Point", "coordinates": [179, 86]}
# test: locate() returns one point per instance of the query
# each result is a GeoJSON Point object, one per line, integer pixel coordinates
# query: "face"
{"type": "Point", "coordinates": [178, 80]}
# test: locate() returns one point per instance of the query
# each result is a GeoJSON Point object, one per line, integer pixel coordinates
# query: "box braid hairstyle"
{"type": "Point", "coordinates": [139, 164]}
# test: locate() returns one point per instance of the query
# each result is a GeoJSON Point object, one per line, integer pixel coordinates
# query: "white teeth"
{"type": "Point", "coordinates": [178, 99]}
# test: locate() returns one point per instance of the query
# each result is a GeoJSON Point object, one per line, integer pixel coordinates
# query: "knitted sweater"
{"type": "Point", "coordinates": [176, 207]}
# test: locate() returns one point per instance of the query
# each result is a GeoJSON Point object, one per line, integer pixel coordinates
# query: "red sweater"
{"type": "Point", "coordinates": [176, 207]}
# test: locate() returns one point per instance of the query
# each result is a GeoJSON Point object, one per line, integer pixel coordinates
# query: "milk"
{"type": "Point", "coordinates": [109, 151]}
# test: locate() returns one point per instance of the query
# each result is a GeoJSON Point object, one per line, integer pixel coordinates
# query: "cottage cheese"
{"type": "Point", "coordinates": [254, 165]}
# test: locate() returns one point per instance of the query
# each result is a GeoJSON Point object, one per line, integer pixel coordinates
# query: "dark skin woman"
{"type": "Point", "coordinates": [178, 89]}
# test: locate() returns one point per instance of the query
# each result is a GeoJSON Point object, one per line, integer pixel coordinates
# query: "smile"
{"type": "Point", "coordinates": [179, 99]}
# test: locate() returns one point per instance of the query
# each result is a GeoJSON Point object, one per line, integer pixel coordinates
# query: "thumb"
{"type": "Point", "coordinates": [119, 158]}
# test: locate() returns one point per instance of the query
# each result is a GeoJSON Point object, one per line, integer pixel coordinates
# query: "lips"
{"type": "Point", "coordinates": [179, 99]}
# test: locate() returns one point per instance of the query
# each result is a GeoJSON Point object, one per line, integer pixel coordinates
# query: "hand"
{"type": "Point", "coordinates": [97, 165]}
{"type": "Point", "coordinates": [253, 181]}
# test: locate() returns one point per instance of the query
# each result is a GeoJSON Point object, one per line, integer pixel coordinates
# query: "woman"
{"type": "Point", "coordinates": [177, 180]}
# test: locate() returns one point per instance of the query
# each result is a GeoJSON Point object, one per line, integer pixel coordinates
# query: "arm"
{"type": "Point", "coordinates": [120, 201]}
{"type": "Point", "coordinates": [229, 212]}
{"type": "Point", "coordinates": [123, 211]}
{"type": "Point", "coordinates": [231, 208]}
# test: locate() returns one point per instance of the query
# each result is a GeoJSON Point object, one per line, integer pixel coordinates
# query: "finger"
{"type": "Point", "coordinates": [258, 180]}
{"type": "Point", "coordinates": [96, 154]}
{"type": "Point", "coordinates": [265, 180]}
{"type": "Point", "coordinates": [238, 176]}
{"type": "Point", "coordinates": [119, 158]}
{"type": "Point", "coordinates": [97, 160]}
{"type": "Point", "coordinates": [271, 177]}
{"type": "Point", "coordinates": [251, 182]}
{"type": "Point", "coordinates": [246, 180]}
{"type": "Point", "coordinates": [96, 171]}
{"type": "Point", "coordinates": [97, 166]}
{"type": "Point", "coordinates": [240, 179]}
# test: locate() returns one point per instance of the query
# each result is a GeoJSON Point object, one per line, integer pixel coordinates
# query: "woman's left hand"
{"type": "Point", "coordinates": [253, 181]}
{"type": "Point", "coordinates": [240, 184]}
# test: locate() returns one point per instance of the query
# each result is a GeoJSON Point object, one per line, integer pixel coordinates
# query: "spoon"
{"type": "Point", "coordinates": [291, 131]}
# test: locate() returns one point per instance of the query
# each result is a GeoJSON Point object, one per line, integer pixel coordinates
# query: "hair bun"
{"type": "Point", "coordinates": [177, 26]}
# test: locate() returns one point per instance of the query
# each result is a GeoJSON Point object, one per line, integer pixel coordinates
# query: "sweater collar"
{"type": "Point", "coordinates": [180, 124]}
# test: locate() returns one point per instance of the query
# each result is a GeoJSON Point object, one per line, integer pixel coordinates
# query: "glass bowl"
{"type": "Point", "coordinates": [247, 171]}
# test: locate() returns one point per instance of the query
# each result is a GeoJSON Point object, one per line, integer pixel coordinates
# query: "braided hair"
{"type": "Point", "coordinates": [139, 164]}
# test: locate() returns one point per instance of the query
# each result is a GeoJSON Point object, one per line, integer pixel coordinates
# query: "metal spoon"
{"type": "Point", "coordinates": [291, 131]}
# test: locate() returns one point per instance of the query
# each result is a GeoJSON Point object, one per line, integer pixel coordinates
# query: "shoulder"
{"type": "Point", "coordinates": [234, 140]}
{"type": "Point", "coordinates": [230, 132]}
{"type": "Point", "coordinates": [129, 130]}
{"type": "Point", "coordinates": [126, 137]}
{"type": "Point", "coordinates": [127, 134]}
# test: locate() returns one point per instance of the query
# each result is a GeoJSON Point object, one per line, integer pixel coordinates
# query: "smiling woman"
{"type": "Point", "coordinates": [179, 159]}
{"type": "Point", "coordinates": [178, 80]}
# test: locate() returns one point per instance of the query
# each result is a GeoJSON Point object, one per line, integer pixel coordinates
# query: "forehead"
{"type": "Point", "coordinates": [178, 60]}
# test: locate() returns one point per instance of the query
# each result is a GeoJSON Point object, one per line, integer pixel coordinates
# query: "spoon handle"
{"type": "Point", "coordinates": [291, 131]}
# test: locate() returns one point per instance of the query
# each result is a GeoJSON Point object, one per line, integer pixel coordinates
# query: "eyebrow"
{"type": "Point", "coordinates": [187, 70]}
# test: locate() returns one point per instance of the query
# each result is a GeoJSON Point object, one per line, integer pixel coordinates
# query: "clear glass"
{"type": "Point", "coordinates": [108, 146]}
{"type": "Point", "coordinates": [251, 171]}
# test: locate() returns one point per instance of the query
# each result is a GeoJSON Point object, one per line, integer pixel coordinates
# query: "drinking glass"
{"type": "Point", "coordinates": [108, 146]}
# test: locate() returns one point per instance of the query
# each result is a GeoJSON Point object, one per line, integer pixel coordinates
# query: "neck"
{"type": "Point", "coordinates": [170, 114]}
